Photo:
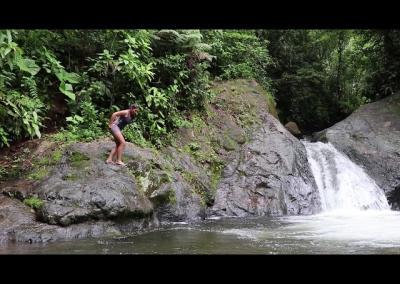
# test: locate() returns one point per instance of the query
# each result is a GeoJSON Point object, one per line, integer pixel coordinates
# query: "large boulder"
{"type": "Point", "coordinates": [371, 138]}
{"type": "Point", "coordinates": [83, 187]}
{"type": "Point", "coordinates": [269, 176]}
{"type": "Point", "coordinates": [18, 224]}
{"type": "Point", "coordinates": [85, 197]}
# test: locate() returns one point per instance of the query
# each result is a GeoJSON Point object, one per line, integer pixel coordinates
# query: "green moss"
{"type": "Point", "coordinates": [210, 113]}
{"type": "Point", "coordinates": [34, 202]}
{"type": "Point", "coordinates": [198, 188]}
{"type": "Point", "coordinates": [39, 173]}
{"type": "Point", "coordinates": [57, 155]}
{"type": "Point", "coordinates": [167, 177]}
{"type": "Point", "coordinates": [43, 161]}
{"type": "Point", "coordinates": [152, 178]}
{"type": "Point", "coordinates": [228, 143]}
{"type": "Point", "coordinates": [64, 136]}
{"type": "Point", "coordinates": [140, 175]}
{"type": "Point", "coordinates": [242, 103]}
{"type": "Point", "coordinates": [50, 160]}
{"type": "Point", "coordinates": [188, 176]}
{"type": "Point", "coordinates": [216, 171]}
{"type": "Point", "coordinates": [238, 96]}
{"type": "Point", "coordinates": [144, 182]}
{"type": "Point", "coordinates": [37, 169]}
{"type": "Point", "coordinates": [197, 121]}
{"type": "Point", "coordinates": [168, 168]}
{"type": "Point", "coordinates": [200, 156]}
{"type": "Point", "coordinates": [249, 118]}
{"type": "Point", "coordinates": [192, 179]}
{"type": "Point", "coordinates": [70, 177]}
{"type": "Point", "coordinates": [172, 197]}
{"type": "Point", "coordinates": [78, 160]}
{"type": "Point", "coordinates": [194, 146]}
{"type": "Point", "coordinates": [271, 105]}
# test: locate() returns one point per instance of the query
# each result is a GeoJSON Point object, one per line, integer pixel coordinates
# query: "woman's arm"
{"type": "Point", "coordinates": [116, 114]}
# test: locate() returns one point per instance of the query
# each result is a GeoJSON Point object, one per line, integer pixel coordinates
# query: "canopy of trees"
{"type": "Point", "coordinates": [70, 81]}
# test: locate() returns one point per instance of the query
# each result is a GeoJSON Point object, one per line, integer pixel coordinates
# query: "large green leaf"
{"type": "Point", "coordinates": [9, 38]}
{"type": "Point", "coordinates": [66, 89]}
{"type": "Point", "coordinates": [71, 77]}
{"type": "Point", "coordinates": [27, 65]}
{"type": "Point", "coordinates": [37, 132]}
{"type": "Point", "coordinates": [35, 117]}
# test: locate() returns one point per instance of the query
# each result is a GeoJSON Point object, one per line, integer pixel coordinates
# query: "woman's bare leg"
{"type": "Point", "coordinates": [120, 150]}
{"type": "Point", "coordinates": [120, 147]}
{"type": "Point", "coordinates": [112, 156]}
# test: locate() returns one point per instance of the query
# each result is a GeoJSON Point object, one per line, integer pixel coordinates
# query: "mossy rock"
{"type": "Point", "coordinates": [43, 166]}
{"type": "Point", "coordinates": [34, 202]}
{"type": "Point", "coordinates": [236, 134]}
{"type": "Point", "coordinates": [39, 173]}
{"type": "Point", "coordinates": [139, 167]}
{"type": "Point", "coordinates": [228, 143]}
{"type": "Point", "coordinates": [150, 179]}
{"type": "Point", "coordinates": [215, 175]}
{"type": "Point", "coordinates": [78, 160]}
{"type": "Point", "coordinates": [163, 196]}
{"type": "Point", "coordinates": [199, 188]}
{"type": "Point", "coordinates": [71, 177]}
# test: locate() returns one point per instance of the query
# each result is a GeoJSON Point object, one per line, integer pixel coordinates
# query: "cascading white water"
{"type": "Point", "coordinates": [342, 184]}
{"type": "Point", "coordinates": [355, 217]}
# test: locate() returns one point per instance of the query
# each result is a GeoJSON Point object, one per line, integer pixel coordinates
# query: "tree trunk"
{"type": "Point", "coordinates": [340, 64]}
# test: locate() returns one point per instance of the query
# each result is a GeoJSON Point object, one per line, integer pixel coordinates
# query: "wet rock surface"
{"type": "Point", "coordinates": [269, 176]}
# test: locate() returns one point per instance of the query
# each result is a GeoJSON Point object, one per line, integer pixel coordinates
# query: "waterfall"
{"type": "Point", "coordinates": [342, 184]}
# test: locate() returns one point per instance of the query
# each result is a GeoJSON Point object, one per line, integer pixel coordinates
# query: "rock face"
{"type": "Point", "coordinates": [86, 188]}
{"type": "Point", "coordinates": [234, 159]}
{"type": "Point", "coordinates": [85, 197]}
{"type": "Point", "coordinates": [269, 176]}
{"type": "Point", "coordinates": [371, 138]}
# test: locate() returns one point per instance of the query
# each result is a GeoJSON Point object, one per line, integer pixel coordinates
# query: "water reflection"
{"type": "Point", "coordinates": [369, 232]}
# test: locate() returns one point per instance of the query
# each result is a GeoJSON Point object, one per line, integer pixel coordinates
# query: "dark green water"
{"type": "Point", "coordinates": [372, 233]}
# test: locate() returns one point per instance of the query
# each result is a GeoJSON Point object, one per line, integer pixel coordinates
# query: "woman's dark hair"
{"type": "Point", "coordinates": [133, 106]}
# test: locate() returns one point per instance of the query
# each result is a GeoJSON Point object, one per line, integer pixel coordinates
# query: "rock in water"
{"type": "Point", "coordinates": [18, 224]}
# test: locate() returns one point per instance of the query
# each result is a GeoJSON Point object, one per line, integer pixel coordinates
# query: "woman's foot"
{"type": "Point", "coordinates": [108, 161]}
{"type": "Point", "coordinates": [120, 163]}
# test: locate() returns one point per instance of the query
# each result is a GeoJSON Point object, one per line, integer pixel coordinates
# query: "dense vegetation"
{"type": "Point", "coordinates": [70, 81]}
{"type": "Point", "coordinates": [320, 77]}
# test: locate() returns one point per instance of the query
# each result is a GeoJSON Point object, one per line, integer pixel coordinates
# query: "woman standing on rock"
{"type": "Point", "coordinates": [118, 121]}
